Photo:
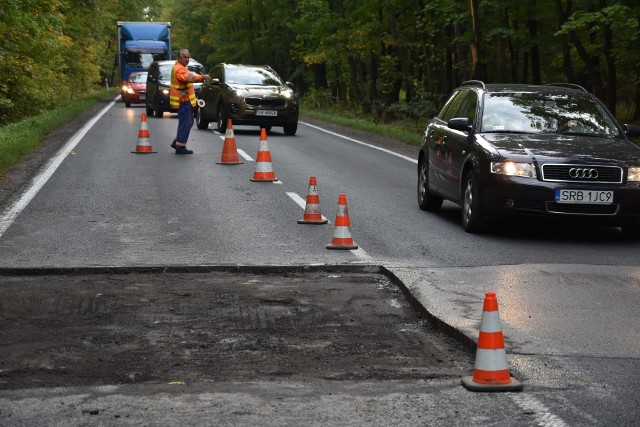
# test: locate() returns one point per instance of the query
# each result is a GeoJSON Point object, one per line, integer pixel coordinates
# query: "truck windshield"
{"type": "Point", "coordinates": [142, 60]}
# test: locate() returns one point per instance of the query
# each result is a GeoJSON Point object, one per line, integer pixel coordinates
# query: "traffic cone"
{"type": "Point", "coordinates": [491, 372]}
{"type": "Point", "coordinates": [229, 150]}
{"type": "Point", "coordinates": [312, 213]}
{"type": "Point", "coordinates": [264, 170]}
{"type": "Point", "coordinates": [342, 233]}
{"type": "Point", "coordinates": [143, 146]}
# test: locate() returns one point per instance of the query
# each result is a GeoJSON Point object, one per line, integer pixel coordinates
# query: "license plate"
{"type": "Point", "coordinates": [142, 98]}
{"type": "Point", "coordinates": [266, 113]}
{"type": "Point", "coordinates": [591, 197]}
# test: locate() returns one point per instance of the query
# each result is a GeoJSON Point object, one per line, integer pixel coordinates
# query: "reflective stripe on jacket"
{"type": "Point", "coordinates": [182, 81]}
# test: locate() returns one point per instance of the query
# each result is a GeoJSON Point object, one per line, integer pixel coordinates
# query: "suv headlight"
{"type": "Point", "coordinates": [633, 174]}
{"type": "Point", "coordinates": [527, 170]}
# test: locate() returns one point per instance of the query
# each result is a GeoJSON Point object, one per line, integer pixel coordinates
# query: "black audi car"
{"type": "Point", "coordinates": [551, 151]}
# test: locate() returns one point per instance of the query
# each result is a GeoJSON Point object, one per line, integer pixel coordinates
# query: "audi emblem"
{"type": "Point", "coordinates": [583, 173]}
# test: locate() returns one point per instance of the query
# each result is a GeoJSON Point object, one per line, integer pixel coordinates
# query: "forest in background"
{"type": "Point", "coordinates": [383, 57]}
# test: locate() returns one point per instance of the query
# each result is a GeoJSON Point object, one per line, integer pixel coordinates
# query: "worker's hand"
{"type": "Point", "coordinates": [207, 77]}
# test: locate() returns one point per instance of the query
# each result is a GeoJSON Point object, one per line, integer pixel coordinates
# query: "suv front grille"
{"type": "Point", "coordinates": [265, 102]}
{"type": "Point", "coordinates": [582, 173]}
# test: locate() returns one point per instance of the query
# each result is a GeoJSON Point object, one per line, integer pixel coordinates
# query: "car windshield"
{"type": "Point", "coordinates": [196, 68]}
{"type": "Point", "coordinates": [252, 76]}
{"type": "Point", "coordinates": [165, 72]}
{"type": "Point", "coordinates": [528, 112]}
{"type": "Point", "coordinates": [138, 78]}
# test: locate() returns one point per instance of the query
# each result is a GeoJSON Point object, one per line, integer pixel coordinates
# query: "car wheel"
{"type": "Point", "coordinates": [426, 200]}
{"type": "Point", "coordinates": [201, 122]}
{"type": "Point", "coordinates": [472, 220]}
{"type": "Point", "coordinates": [222, 119]}
{"type": "Point", "coordinates": [631, 230]}
{"type": "Point", "coordinates": [290, 129]}
{"type": "Point", "coordinates": [159, 112]}
{"type": "Point", "coordinates": [149, 111]}
{"type": "Point", "coordinates": [127, 104]}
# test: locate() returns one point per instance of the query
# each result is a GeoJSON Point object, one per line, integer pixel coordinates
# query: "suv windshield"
{"type": "Point", "coordinates": [252, 76]}
{"type": "Point", "coordinates": [545, 112]}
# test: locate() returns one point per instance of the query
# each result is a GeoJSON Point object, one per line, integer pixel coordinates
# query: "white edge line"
{"type": "Point", "coordinates": [543, 416]}
{"type": "Point", "coordinates": [10, 214]}
{"type": "Point", "coordinates": [244, 155]}
{"type": "Point", "coordinates": [363, 143]}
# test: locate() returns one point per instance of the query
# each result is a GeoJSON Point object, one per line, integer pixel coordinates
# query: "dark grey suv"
{"type": "Point", "coordinates": [252, 95]}
{"type": "Point", "coordinates": [550, 151]}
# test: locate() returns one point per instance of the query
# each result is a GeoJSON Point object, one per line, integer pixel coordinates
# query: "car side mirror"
{"type": "Point", "coordinates": [151, 78]}
{"type": "Point", "coordinates": [292, 85]}
{"type": "Point", "coordinates": [463, 124]}
{"type": "Point", "coordinates": [214, 81]}
{"type": "Point", "coordinates": [632, 131]}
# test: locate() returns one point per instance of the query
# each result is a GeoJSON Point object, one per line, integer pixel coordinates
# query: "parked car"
{"type": "Point", "coordinates": [135, 89]}
{"type": "Point", "coordinates": [549, 151]}
{"type": "Point", "coordinates": [159, 82]}
{"type": "Point", "coordinates": [252, 95]}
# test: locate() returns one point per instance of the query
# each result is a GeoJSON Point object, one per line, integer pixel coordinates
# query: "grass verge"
{"type": "Point", "coordinates": [401, 132]}
{"type": "Point", "coordinates": [21, 138]}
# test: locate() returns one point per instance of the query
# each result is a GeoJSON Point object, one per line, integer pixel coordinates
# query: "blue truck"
{"type": "Point", "coordinates": [141, 43]}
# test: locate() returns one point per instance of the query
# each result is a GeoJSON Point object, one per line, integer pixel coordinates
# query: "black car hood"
{"type": "Point", "coordinates": [543, 147]}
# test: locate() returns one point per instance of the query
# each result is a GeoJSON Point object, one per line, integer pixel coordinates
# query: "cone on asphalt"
{"type": "Point", "coordinates": [342, 233]}
{"type": "Point", "coordinates": [143, 146]}
{"type": "Point", "coordinates": [491, 372]}
{"type": "Point", "coordinates": [264, 169]}
{"type": "Point", "coordinates": [229, 151]}
{"type": "Point", "coordinates": [312, 213]}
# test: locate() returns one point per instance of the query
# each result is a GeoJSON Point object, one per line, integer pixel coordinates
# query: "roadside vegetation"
{"type": "Point", "coordinates": [21, 138]}
{"type": "Point", "coordinates": [380, 66]}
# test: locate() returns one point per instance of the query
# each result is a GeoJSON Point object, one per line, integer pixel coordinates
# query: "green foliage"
{"type": "Point", "coordinates": [19, 139]}
{"type": "Point", "coordinates": [363, 54]}
{"type": "Point", "coordinates": [53, 51]}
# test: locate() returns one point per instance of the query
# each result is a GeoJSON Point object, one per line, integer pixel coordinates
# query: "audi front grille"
{"type": "Point", "coordinates": [582, 173]}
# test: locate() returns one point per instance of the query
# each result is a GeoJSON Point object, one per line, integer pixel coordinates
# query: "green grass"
{"type": "Point", "coordinates": [21, 138]}
{"type": "Point", "coordinates": [403, 132]}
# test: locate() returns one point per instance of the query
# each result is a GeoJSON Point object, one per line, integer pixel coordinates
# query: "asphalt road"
{"type": "Point", "coordinates": [568, 295]}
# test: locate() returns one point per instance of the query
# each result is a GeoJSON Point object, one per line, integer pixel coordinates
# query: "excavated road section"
{"type": "Point", "coordinates": [128, 326]}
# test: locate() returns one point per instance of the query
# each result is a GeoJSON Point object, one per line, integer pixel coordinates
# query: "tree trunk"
{"type": "Point", "coordinates": [477, 69]}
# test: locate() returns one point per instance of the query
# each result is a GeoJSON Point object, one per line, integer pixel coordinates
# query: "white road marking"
{"type": "Point", "coordinates": [543, 416]}
{"type": "Point", "coordinates": [384, 150]}
{"type": "Point", "coordinates": [41, 179]}
{"type": "Point", "coordinates": [244, 155]}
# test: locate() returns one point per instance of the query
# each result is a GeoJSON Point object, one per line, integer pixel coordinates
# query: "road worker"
{"type": "Point", "coordinates": [183, 97]}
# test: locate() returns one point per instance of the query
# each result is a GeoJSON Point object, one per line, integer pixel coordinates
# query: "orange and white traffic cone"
{"type": "Point", "coordinates": [264, 170]}
{"type": "Point", "coordinates": [229, 150]}
{"type": "Point", "coordinates": [312, 213]}
{"type": "Point", "coordinates": [143, 146]}
{"type": "Point", "coordinates": [491, 372]}
{"type": "Point", "coordinates": [342, 233]}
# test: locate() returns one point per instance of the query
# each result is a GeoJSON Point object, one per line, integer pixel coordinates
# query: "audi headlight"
{"type": "Point", "coordinates": [165, 91]}
{"type": "Point", "coordinates": [633, 174]}
{"type": "Point", "coordinates": [527, 170]}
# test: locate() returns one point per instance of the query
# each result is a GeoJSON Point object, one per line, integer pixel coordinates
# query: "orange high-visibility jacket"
{"type": "Point", "coordinates": [182, 81]}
